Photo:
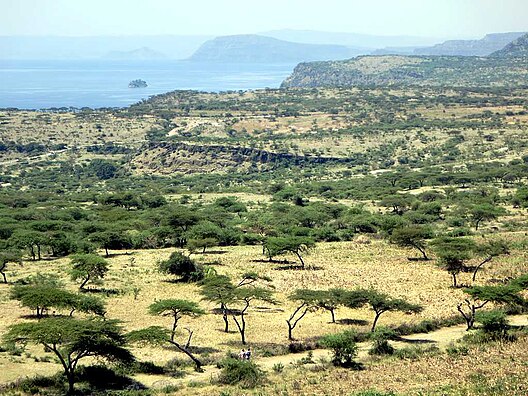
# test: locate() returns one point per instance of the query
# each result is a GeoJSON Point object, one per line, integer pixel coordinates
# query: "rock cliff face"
{"type": "Point", "coordinates": [515, 49]}
{"type": "Point", "coordinates": [261, 49]}
{"type": "Point", "coordinates": [410, 70]}
{"type": "Point", "coordinates": [483, 47]}
{"type": "Point", "coordinates": [178, 157]}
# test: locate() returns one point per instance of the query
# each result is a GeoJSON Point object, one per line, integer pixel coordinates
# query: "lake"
{"type": "Point", "coordinates": [104, 83]}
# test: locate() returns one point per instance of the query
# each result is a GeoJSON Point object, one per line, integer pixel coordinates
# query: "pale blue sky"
{"type": "Point", "coordinates": [431, 18]}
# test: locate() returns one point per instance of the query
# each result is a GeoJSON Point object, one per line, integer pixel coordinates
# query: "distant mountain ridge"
{"type": "Point", "coordinates": [360, 41]}
{"type": "Point", "coordinates": [143, 53]}
{"type": "Point", "coordinates": [95, 47]}
{"type": "Point", "coordinates": [251, 48]}
{"type": "Point", "coordinates": [515, 49]}
{"type": "Point", "coordinates": [483, 47]}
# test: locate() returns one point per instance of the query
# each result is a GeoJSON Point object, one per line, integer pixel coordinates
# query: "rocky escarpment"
{"type": "Point", "coordinates": [515, 49]}
{"type": "Point", "coordinates": [410, 70]}
{"type": "Point", "coordinates": [179, 157]}
{"type": "Point", "coordinates": [483, 47]}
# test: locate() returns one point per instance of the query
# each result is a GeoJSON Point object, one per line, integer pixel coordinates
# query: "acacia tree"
{"type": "Point", "coordinates": [298, 246]}
{"type": "Point", "coordinates": [307, 302]}
{"type": "Point", "coordinates": [42, 297]}
{"type": "Point", "coordinates": [177, 309]}
{"type": "Point", "coordinates": [111, 239]}
{"type": "Point", "coordinates": [330, 300]}
{"type": "Point", "coordinates": [203, 235]}
{"type": "Point", "coordinates": [30, 240]}
{"type": "Point", "coordinates": [6, 257]}
{"type": "Point", "coordinates": [312, 300]}
{"type": "Point", "coordinates": [243, 297]}
{"type": "Point", "coordinates": [219, 289]}
{"type": "Point", "coordinates": [484, 212]}
{"type": "Point", "coordinates": [482, 295]}
{"type": "Point", "coordinates": [180, 219]}
{"type": "Point", "coordinates": [414, 236]}
{"type": "Point", "coordinates": [158, 336]}
{"type": "Point", "coordinates": [72, 340]}
{"type": "Point", "coordinates": [452, 254]}
{"type": "Point", "coordinates": [381, 303]}
{"type": "Point", "coordinates": [399, 203]}
{"type": "Point", "coordinates": [490, 250]}
{"type": "Point", "coordinates": [88, 267]}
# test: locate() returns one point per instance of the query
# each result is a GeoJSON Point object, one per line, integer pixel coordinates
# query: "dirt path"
{"type": "Point", "coordinates": [441, 338]}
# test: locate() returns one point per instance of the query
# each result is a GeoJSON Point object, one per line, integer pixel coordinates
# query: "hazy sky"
{"type": "Point", "coordinates": [432, 18]}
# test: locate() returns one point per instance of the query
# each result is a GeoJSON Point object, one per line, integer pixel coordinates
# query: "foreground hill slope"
{"type": "Point", "coordinates": [410, 70]}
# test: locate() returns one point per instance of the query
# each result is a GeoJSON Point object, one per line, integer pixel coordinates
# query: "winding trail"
{"type": "Point", "coordinates": [441, 338]}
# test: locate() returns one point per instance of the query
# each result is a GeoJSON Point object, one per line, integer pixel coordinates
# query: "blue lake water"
{"type": "Point", "coordinates": [44, 84]}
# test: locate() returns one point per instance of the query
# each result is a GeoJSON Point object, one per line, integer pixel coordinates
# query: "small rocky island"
{"type": "Point", "coordinates": [137, 84]}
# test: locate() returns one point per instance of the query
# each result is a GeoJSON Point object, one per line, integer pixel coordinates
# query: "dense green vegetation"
{"type": "Point", "coordinates": [440, 171]}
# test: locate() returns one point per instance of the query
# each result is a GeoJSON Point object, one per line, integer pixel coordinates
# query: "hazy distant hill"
{"type": "Point", "coordinates": [483, 47]}
{"type": "Point", "coordinates": [28, 47]}
{"type": "Point", "coordinates": [411, 70]}
{"type": "Point", "coordinates": [394, 51]}
{"type": "Point", "coordinates": [517, 48]}
{"type": "Point", "coordinates": [361, 41]}
{"type": "Point", "coordinates": [143, 53]}
{"type": "Point", "coordinates": [259, 49]}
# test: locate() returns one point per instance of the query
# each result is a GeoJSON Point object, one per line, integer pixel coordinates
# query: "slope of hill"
{"type": "Point", "coordinates": [410, 70]}
{"type": "Point", "coordinates": [483, 47]}
{"type": "Point", "coordinates": [517, 48]}
{"type": "Point", "coordinates": [261, 49]}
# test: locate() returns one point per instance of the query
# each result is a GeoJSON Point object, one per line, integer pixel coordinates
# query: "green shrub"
{"type": "Point", "coordinates": [380, 339]}
{"type": "Point", "coordinates": [182, 266]}
{"type": "Point", "coordinates": [344, 348]}
{"type": "Point", "coordinates": [494, 327]}
{"type": "Point", "coordinates": [243, 372]}
{"type": "Point", "coordinates": [298, 347]}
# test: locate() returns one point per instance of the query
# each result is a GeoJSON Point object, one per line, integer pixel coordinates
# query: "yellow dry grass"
{"type": "Point", "coordinates": [341, 264]}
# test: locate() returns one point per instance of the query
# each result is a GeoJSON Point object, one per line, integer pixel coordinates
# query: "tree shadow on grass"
{"type": "Point", "coordinates": [102, 290]}
{"type": "Point", "coordinates": [418, 259]}
{"type": "Point", "coordinates": [297, 267]}
{"type": "Point", "coordinates": [356, 322]}
{"type": "Point", "coordinates": [264, 309]}
{"type": "Point", "coordinates": [414, 341]}
{"type": "Point", "coordinates": [268, 261]}
{"type": "Point", "coordinates": [113, 254]}
{"type": "Point", "coordinates": [213, 263]}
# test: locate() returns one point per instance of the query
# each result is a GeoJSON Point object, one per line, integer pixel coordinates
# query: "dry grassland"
{"type": "Point", "coordinates": [343, 264]}
{"type": "Point", "coordinates": [71, 128]}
